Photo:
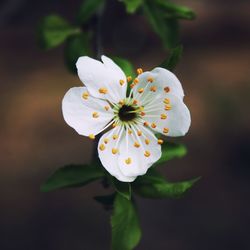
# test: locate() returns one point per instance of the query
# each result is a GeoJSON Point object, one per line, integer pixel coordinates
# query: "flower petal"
{"type": "Point", "coordinates": [158, 80]}
{"type": "Point", "coordinates": [108, 158]}
{"type": "Point", "coordinates": [138, 151]}
{"type": "Point", "coordinates": [104, 80]}
{"type": "Point", "coordinates": [86, 114]}
{"type": "Point", "coordinates": [169, 115]}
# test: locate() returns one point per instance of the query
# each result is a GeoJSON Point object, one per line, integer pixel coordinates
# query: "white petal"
{"type": "Point", "coordinates": [97, 76]}
{"type": "Point", "coordinates": [110, 160]}
{"type": "Point", "coordinates": [162, 80]}
{"type": "Point", "coordinates": [177, 120]}
{"type": "Point", "coordinates": [132, 160]}
{"type": "Point", "coordinates": [78, 112]}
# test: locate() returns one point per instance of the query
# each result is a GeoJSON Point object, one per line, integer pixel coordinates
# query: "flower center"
{"type": "Point", "coordinates": [127, 113]}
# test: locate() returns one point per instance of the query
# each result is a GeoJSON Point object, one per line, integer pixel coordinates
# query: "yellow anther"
{"type": "Point", "coordinates": [106, 140]}
{"type": "Point", "coordinates": [103, 91]}
{"type": "Point", "coordinates": [166, 101]}
{"type": "Point", "coordinates": [145, 124]}
{"type": "Point", "coordinates": [165, 130]}
{"type": "Point", "coordinates": [129, 131]}
{"type": "Point", "coordinates": [132, 85]}
{"type": "Point", "coordinates": [150, 79]}
{"type": "Point", "coordinates": [141, 108]}
{"type": "Point", "coordinates": [140, 90]}
{"type": "Point", "coordinates": [128, 161]}
{"type": "Point", "coordinates": [147, 141]}
{"type": "Point", "coordinates": [163, 116]}
{"type": "Point", "coordinates": [168, 107]}
{"type": "Point", "coordinates": [136, 144]}
{"type": "Point", "coordinates": [113, 125]}
{"type": "Point", "coordinates": [85, 95]}
{"type": "Point", "coordinates": [106, 108]}
{"type": "Point", "coordinates": [166, 89]}
{"type": "Point", "coordinates": [143, 113]}
{"type": "Point", "coordinates": [95, 115]}
{"type": "Point", "coordinates": [102, 147]}
{"type": "Point", "coordinates": [135, 102]}
{"type": "Point", "coordinates": [129, 78]}
{"type": "Point", "coordinates": [147, 153]}
{"type": "Point", "coordinates": [136, 80]}
{"type": "Point", "coordinates": [139, 133]}
{"type": "Point", "coordinates": [121, 102]}
{"type": "Point", "coordinates": [114, 150]}
{"type": "Point", "coordinates": [153, 88]}
{"type": "Point", "coordinates": [121, 82]}
{"type": "Point", "coordinates": [160, 141]}
{"type": "Point", "coordinates": [92, 136]}
{"type": "Point", "coordinates": [139, 71]}
{"type": "Point", "coordinates": [153, 125]}
{"type": "Point", "coordinates": [115, 137]}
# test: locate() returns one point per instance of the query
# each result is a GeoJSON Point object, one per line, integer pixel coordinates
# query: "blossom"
{"type": "Point", "coordinates": [152, 105]}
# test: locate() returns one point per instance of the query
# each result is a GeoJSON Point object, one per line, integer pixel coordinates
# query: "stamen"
{"type": "Point", "coordinates": [145, 124]}
{"type": "Point", "coordinates": [163, 116]}
{"type": "Point", "coordinates": [106, 140]}
{"type": "Point", "coordinates": [168, 107]}
{"type": "Point", "coordinates": [139, 133]}
{"type": "Point", "coordinates": [92, 136]}
{"type": "Point", "coordinates": [143, 113]}
{"type": "Point", "coordinates": [141, 108]}
{"type": "Point", "coordinates": [166, 101]}
{"type": "Point", "coordinates": [129, 131]}
{"type": "Point", "coordinates": [139, 71]}
{"type": "Point", "coordinates": [140, 90]}
{"type": "Point", "coordinates": [128, 161]}
{"type": "Point", "coordinates": [153, 88]}
{"type": "Point", "coordinates": [160, 141]}
{"type": "Point", "coordinates": [147, 153]}
{"type": "Point", "coordinates": [115, 137]}
{"type": "Point", "coordinates": [106, 108]}
{"type": "Point", "coordinates": [132, 85]}
{"type": "Point", "coordinates": [167, 89]}
{"type": "Point", "coordinates": [121, 102]}
{"type": "Point", "coordinates": [85, 95]}
{"type": "Point", "coordinates": [153, 125]}
{"type": "Point", "coordinates": [150, 79]}
{"type": "Point", "coordinates": [102, 147]}
{"type": "Point", "coordinates": [114, 125]}
{"type": "Point", "coordinates": [147, 141]}
{"type": "Point", "coordinates": [121, 82]}
{"type": "Point", "coordinates": [165, 130]}
{"type": "Point", "coordinates": [135, 102]}
{"type": "Point", "coordinates": [136, 80]}
{"type": "Point", "coordinates": [103, 91]}
{"type": "Point", "coordinates": [114, 150]}
{"type": "Point", "coordinates": [95, 115]}
{"type": "Point", "coordinates": [136, 144]}
{"type": "Point", "coordinates": [129, 78]}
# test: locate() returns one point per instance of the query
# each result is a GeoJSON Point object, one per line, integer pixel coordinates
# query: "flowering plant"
{"type": "Point", "coordinates": [127, 116]}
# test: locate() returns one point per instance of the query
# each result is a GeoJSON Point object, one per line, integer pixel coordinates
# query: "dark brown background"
{"type": "Point", "coordinates": [35, 139]}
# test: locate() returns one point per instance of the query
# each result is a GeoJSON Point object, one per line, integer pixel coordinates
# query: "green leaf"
{"type": "Point", "coordinates": [176, 11]}
{"type": "Point", "coordinates": [132, 5]}
{"type": "Point", "coordinates": [123, 188]}
{"type": "Point", "coordinates": [154, 186]}
{"type": "Point", "coordinates": [76, 46]}
{"type": "Point", "coordinates": [106, 200]}
{"type": "Point", "coordinates": [53, 30]}
{"type": "Point", "coordinates": [87, 9]}
{"type": "Point", "coordinates": [125, 65]}
{"type": "Point", "coordinates": [126, 232]}
{"type": "Point", "coordinates": [166, 29]}
{"type": "Point", "coordinates": [173, 59]}
{"type": "Point", "coordinates": [170, 151]}
{"type": "Point", "coordinates": [72, 176]}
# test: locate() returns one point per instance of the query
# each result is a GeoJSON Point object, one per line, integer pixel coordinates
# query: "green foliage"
{"type": "Point", "coordinates": [175, 11]}
{"type": "Point", "coordinates": [53, 30]}
{"type": "Point", "coordinates": [154, 186]}
{"type": "Point", "coordinates": [125, 65]}
{"type": "Point", "coordinates": [72, 176]}
{"type": "Point", "coordinates": [126, 232]}
{"type": "Point", "coordinates": [171, 150]}
{"type": "Point", "coordinates": [76, 46]}
{"type": "Point", "coordinates": [123, 188]}
{"type": "Point", "coordinates": [87, 9]}
{"type": "Point", "coordinates": [106, 200]}
{"type": "Point", "coordinates": [166, 29]}
{"type": "Point", "coordinates": [132, 5]}
{"type": "Point", "coordinates": [173, 59]}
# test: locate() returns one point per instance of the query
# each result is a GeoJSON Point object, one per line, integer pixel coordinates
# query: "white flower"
{"type": "Point", "coordinates": [154, 105]}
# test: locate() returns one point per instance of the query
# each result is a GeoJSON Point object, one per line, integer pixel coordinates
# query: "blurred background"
{"type": "Point", "coordinates": [35, 140]}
